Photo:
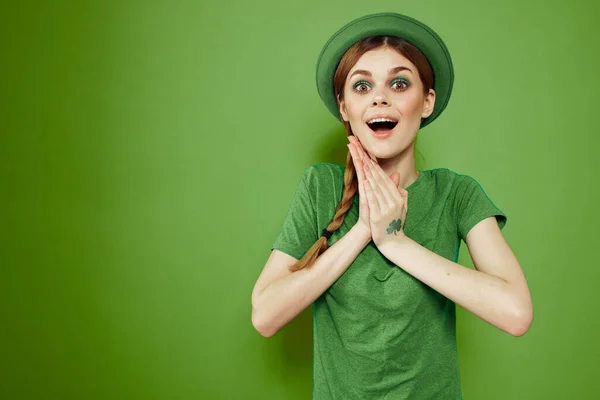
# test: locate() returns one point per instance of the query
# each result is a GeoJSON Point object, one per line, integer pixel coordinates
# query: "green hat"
{"type": "Point", "coordinates": [388, 24]}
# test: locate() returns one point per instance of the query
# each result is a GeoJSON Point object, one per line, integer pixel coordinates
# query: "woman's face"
{"type": "Point", "coordinates": [385, 84]}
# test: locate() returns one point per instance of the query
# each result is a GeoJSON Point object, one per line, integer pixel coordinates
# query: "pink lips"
{"type": "Point", "coordinates": [381, 134]}
{"type": "Point", "coordinates": [382, 116]}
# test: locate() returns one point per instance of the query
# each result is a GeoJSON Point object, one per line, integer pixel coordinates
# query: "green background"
{"type": "Point", "coordinates": [149, 152]}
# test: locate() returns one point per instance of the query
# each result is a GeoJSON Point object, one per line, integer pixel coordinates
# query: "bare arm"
{"type": "Point", "coordinates": [279, 295]}
{"type": "Point", "coordinates": [496, 292]}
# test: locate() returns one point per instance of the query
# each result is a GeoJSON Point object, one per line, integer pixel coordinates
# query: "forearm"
{"type": "Point", "coordinates": [489, 297]}
{"type": "Point", "coordinates": [282, 300]}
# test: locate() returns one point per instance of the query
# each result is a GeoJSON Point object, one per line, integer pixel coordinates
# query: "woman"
{"type": "Point", "coordinates": [382, 276]}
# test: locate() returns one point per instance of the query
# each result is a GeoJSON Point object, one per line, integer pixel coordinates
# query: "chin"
{"type": "Point", "coordinates": [386, 148]}
{"type": "Point", "coordinates": [390, 153]}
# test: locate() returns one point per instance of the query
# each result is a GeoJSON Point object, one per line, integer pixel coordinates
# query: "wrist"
{"type": "Point", "coordinates": [393, 243]}
{"type": "Point", "coordinates": [362, 233]}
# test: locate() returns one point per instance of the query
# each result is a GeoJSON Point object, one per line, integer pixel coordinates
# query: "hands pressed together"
{"type": "Point", "coordinates": [383, 204]}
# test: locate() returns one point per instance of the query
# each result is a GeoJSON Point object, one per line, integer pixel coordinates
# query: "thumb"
{"type": "Point", "coordinates": [395, 178]}
{"type": "Point", "coordinates": [404, 195]}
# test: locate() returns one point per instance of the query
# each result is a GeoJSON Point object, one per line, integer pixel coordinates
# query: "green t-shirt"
{"type": "Point", "coordinates": [378, 332]}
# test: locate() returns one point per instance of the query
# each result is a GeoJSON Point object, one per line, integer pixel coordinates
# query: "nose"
{"type": "Point", "coordinates": [380, 99]}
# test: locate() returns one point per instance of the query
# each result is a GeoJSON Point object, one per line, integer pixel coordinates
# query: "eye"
{"type": "Point", "coordinates": [402, 82]}
{"type": "Point", "coordinates": [361, 86]}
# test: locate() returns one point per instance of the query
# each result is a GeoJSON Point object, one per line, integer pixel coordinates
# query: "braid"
{"type": "Point", "coordinates": [350, 189]}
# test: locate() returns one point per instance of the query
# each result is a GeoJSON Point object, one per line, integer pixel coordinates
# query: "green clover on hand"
{"type": "Point", "coordinates": [395, 226]}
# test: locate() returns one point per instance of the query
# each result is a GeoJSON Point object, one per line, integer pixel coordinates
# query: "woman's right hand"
{"type": "Point", "coordinates": [358, 153]}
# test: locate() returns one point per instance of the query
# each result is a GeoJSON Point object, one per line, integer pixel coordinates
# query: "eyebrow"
{"type": "Point", "coordinates": [390, 72]}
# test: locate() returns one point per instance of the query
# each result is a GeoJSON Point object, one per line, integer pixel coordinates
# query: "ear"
{"type": "Point", "coordinates": [342, 107]}
{"type": "Point", "coordinates": [429, 103]}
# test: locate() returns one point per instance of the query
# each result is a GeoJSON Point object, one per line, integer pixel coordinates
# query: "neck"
{"type": "Point", "coordinates": [403, 164]}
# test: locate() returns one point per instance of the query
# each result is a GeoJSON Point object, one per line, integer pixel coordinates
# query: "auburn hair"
{"type": "Point", "coordinates": [346, 63]}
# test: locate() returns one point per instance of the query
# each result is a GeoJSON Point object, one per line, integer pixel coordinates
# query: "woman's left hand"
{"type": "Point", "coordinates": [388, 204]}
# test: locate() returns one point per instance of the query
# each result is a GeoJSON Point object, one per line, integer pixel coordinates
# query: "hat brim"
{"type": "Point", "coordinates": [389, 24]}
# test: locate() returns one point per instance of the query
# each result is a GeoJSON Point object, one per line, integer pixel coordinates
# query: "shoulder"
{"type": "Point", "coordinates": [326, 167]}
{"type": "Point", "coordinates": [453, 186]}
{"type": "Point", "coordinates": [446, 176]}
{"type": "Point", "coordinates": [323, 172]}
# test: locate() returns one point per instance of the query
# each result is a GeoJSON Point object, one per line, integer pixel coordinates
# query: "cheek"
{"type": "Point", "coordinates": [356, 108]}
{"type": "Point", "coordinates": [413, 105]}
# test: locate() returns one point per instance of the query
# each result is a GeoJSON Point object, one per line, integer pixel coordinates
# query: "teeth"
{"type": "Point", "coordinates": [380, 120]}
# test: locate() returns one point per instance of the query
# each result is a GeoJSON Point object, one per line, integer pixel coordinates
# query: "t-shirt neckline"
{"type": "Point", "coordinates": [417, 182]}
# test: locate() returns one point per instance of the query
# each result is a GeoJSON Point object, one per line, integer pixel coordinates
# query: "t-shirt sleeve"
{"type": "Point", "coordinates": [299, 230]}
{"type": "Point", "coordinates": [473, 205]}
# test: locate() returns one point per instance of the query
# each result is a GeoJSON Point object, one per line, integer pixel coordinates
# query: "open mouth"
{"type": "Point", "coordinates": [381, 125]}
